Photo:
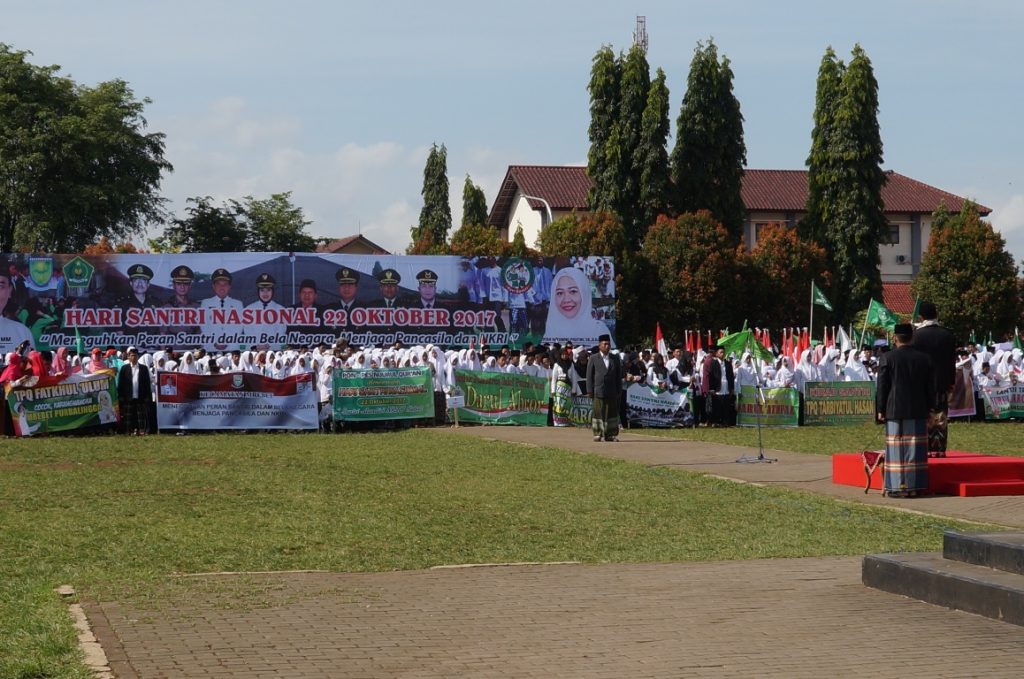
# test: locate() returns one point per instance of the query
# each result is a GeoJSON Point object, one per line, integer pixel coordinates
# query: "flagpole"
{"type": "Point", "coordinates": [865, 329]}
{"type": "Point", "coordinates": [810, 330]}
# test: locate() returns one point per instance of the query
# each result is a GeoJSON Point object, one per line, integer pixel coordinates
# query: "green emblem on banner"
{"type": "Point", "coordinates": [517, 275]}
{"type": "Point", "coordinates": [41, 270]}
{"type": "Point", "coordinates": [78, 273]}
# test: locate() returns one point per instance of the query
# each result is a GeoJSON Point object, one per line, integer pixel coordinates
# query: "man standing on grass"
{"type": "Point", "coordinates": [604, 382]}
{"type": "Point", "coordinates": [903, 399]}
{"type": "Point", "coordinates": [940, 345]}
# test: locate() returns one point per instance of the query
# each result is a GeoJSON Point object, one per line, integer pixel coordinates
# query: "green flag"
{"type": "Point", "coordinates": [818, 297]}
{"type": "Point", "coordinates": [917, 310]}
{"type": "Point", "coordinates": [744, 340]}
{"type": "Point", "coordinates": [878, 314]}
{"type": "Point", "coordinates": [1016, 340]}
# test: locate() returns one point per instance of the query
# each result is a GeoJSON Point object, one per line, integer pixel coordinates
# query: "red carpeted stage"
{"type": "Point", "coordinates": [959, 473]}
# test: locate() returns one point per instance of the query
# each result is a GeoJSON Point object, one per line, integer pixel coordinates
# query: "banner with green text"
{"type": "Point", "coordinates": [503, 398]}
{"type": "Point", "coordinates": [80, 401]}
{"type": "Point", "coordinates": [839, 402]}
{"type": "Point", "coordinates": [781, 407]}
{"type": "Point", "coordinates": [385, 394]}
{"type": "Point", "coordinates": [1003, 403]}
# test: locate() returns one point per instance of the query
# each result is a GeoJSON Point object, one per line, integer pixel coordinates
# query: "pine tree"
{"type": "Point", "coordinates": [846, 162]}
{"type": "Point", "coordinates": [518, 247]}
{"type": "Point", "coordinates": [650, 161]}
{"type": "Point", "coordinates": [633, 91]}
{"type": "Point", "coordinates": [708, 158]}
{"type": "Point", "coordinates": [474, 204]}
{"type": "Point", "coordinates": [821, 164]}
{"type": "Point", "coordinates": [605, 75]}
{"type": "Point", "coordinates": [436, 214]}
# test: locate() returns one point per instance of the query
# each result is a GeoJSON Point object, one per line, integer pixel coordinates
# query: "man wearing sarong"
{"type": "Point", "coordinates": [904, 396]}
{"type": "Point", "coordinates": [604, 381]}
{"type": "Point", "coordinates": [940, 345]}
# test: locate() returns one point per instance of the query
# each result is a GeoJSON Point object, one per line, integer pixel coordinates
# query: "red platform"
{"type": "Point", "coordinates": [959, 473]}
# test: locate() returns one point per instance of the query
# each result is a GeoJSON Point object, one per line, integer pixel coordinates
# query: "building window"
{"type": "Point", "coordinates": [894, 234]}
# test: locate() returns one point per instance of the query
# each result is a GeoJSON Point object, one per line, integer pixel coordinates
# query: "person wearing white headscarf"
{"type": "Point", "coordinates": [806, 371]}
{"type": "Point", "coordinates": [854, 371]}
{"type": "Point", "coordinates": [188, 364]}
{"type": "Point", "coordinates": [746, 373]}
{"type": "Point", "coordinates": [827, 365]}
{"type": "Point", "coordinates": [569, 311]}
{"type": "Point", "coordinates": [491, 365]}
{"type": "Point", "coordinates": [784, 376]}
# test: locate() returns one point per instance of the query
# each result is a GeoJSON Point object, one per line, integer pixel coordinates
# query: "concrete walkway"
{"type": "Point", "coordinates": [811, 473]}
{"type": "Point", "coordinates": [764, 618]}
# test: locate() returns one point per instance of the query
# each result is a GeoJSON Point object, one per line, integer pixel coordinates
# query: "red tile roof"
{"type": "Point", "coordinates": [786, 191]}
{"type": "Point", "coordinates": [896, 296]}
{"type": "Point", "coordinates": [566, 187]}
{"type": "Point", "coordinates": [339, 244]}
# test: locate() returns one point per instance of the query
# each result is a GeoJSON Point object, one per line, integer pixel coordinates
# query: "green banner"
{"type": "Point", "coordinates": [781, 407]}
{"type": "Point", "coordinates": [385, 394]}
{"type": "Point", "coordinates": [1003, 403]}
{"type": "Point", "coordinates": [503, 398]}
{"type": "Point", "coordinates": [75, 403]}
{"type": "Point", "coordinates": [839, 402]}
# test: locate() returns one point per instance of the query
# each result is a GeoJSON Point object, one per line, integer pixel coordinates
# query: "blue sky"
{"type": "Point", "coordinates": [339, 102]}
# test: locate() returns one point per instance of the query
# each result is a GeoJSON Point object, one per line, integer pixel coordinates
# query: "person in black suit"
{"type": "Point", "coordinates": [719, 396]}
{"type": "Point", "coordinates": [604, 382]}
{"type": "Point", "coordinates": [135, 393]}
{"type": "Point", "coordinates": [904, 396]}
{"type": "Point", "coordinates": [940, 345]}
{"type": "Point", "coordinates": [389, 280]}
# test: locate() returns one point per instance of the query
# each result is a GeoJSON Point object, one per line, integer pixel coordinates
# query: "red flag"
{"type": "Point", "coordinates": [766, 340]}
{"type": "Point", "coordinates": [659, 342]}
{"type": "Point", "coordinates": [710, 342]}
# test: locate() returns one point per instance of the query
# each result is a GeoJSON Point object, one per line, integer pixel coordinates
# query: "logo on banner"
{"type": "Point", "coordinates": [238, 380]}
{"type": "Point", "coordinates": [78, 273]}
{"type": "Point", "coordinates": [517, 275]}
{"type": "Point", "coordinates": [41, 270]}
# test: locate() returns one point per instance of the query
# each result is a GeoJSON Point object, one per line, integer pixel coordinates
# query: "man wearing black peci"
{"type": "Point", "coordinates": [604, 382]}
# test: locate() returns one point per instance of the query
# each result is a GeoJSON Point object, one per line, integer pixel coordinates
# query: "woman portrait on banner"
{"type": "Point", "coordinates": [570, 315]}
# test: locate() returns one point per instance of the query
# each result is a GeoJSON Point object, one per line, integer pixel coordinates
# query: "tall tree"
{"type": "Point", "coordinates": [969, 275]}
{"type": "Point", "coordinates": [822, 163]}
{"type": "Point", "coordinates": [846, 161]}
{"type": "Point", "coordinates": [709, 155]}
{"type": "Point", "coordinates": [274, 224]}
{"type": "Point", "coordinates": [603, 158]}
{"type": "Point", "coordinates": [650, 160]}
{"type": "Point", "coordinates": [436, 215]}
{"type": "Point", "coordinates": [474, 204]}
{"type": "Point", "coordinates": [206, 228]}
{"type": "Point", "coordinates": [518, 246]}
{"type": "Point", "coordinates": [634, 86]}
{"type": "Point", "coordinates": [76, 162]}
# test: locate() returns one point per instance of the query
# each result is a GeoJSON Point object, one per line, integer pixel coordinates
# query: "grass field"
{"type": "Point", "coordinates": [115, 517]}
{"type": "Point", "coordinates": [996, 438]}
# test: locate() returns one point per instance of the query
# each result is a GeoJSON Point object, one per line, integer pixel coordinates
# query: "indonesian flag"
{"type": "Point", "coordinates": [659, 341]}
{"type": "Point", "coordinates": [766, 340]}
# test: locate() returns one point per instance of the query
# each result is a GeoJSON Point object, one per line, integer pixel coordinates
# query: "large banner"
{"type": "Point", "coordinates": [503, 398]}
{"type": "Point", "coordinates": [1003, 403]}
{"type": "Point", "coordinates": [235, 401]}
{"type": "Point", "coordinates": [385, 394]}
{"type": "Point", "coordinates": [657, 408]}
{"type": "Point", "coordinates": [244, 300]}
{"type": "Point", "coordinates": [80, 401]}
{"type": "Point", "coordinates": [839, 402]}
{"type": "Point", "coordinates": [780, 407]}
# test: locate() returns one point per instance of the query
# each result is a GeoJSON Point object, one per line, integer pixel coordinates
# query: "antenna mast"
{"type": "Point", "coordinates": [640, 34]}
